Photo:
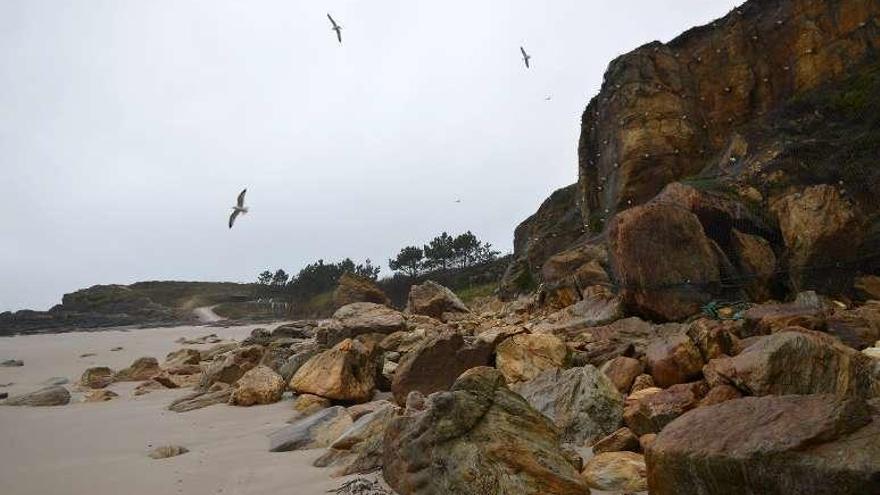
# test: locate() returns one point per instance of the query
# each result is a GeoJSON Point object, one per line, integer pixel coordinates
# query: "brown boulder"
{"type": "Point", "coordinates": [620, 440]}
{"type": "Point", "coordinates": [794, 362]}
{"type": "Point", "coordinates": [97, 377]}
{"type": "Point", "coordinates": [434, 300]}
{"type": "Point", "coordinates": [622, 371]}
{"type": "Point", "coordinates": [642, 382]}
{"type": "Point", "coordinates": [259, 385]}
{"type": "Point", "coordinates": [719, 394]}
{"type": "Point", "coordinates": [435, 365]}
{"type": "Point", "coordinates": [359, 318]}
{"type": "Point", "coordinates": [821, 229]}
{"type": "Point", "coordinates": [651, 412]}
{"type": "Point", "coordinates": [673, 359]}
{"type": "Point", "coordinates": [347, 372]}
{"type": "Point", "coordinates": [524, 356]}
{"type": "Point", "coordinates": [182, 357]}
{"type": "Point", "coordinates": [477, 438]}
{"type": "Point", "coordinates": [858, 328]}
{"type": "Point", "coordinates": [352, 289]}
{"type": "Point", "coordinates": [141, 369]}
{"type": "Point", "coordinates": [811, 444]}
{"type": "Point", "coordinates": [756, 261]}
{"type": "Point", "coordinates": [230, 367]}
{"type": "Point", "coordinates": [662, 259]}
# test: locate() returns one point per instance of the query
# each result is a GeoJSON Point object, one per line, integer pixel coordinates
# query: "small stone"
{"type": "Point", "coordinates": [167, 451]}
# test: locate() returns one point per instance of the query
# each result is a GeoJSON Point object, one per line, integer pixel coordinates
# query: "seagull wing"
{"type": "Point", "coordinates": [523, 50]}
{"type": "Point", "coordinates": [332, 21]}
{"type": "Point", "coordinates": [233, 217]}
{"type": "Point", "coordinates": [241, 198]}
{"type": "Point", "coordinates": [339, 34]}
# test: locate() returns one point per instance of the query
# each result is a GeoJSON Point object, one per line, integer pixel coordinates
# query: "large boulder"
{"type": "Point", "coordinates": [352, 289]}
{"type": "Point", "coordinates": [360, 318]}
{"type": "Point", "coordinates": [436, 363]}
{"type": "Point", "coordinates": [259, 385]}
{"type": "Point", "coordinates": [796, 361]}
{"type": "Point", "coordinates": [788, 445]}
{"type": "Point", "coordinates": [477, 438]}
{"type": "Point", "coordinates": [823, 235]}
{"type": "Point", "coordinates": [347, 372]}
{"type": "Point", "coordinates": [53, 395]}
{"type": "Point", "coordinates": [582, 402]}
{"type": "Point", "coordinates": [673, 359]}
{"type": "Point", "coordinates": [313, 432]}
{"type": "Point", "coordinates": [524, 356]}
{"type": "Point", "coordinates": [217, 393]}
{"type": "Point", "coordinates": [144, 368]}
{"type": "Point", "coordinates": [663, 261]}
{"type": "Point", "coordinates": [434, 300]}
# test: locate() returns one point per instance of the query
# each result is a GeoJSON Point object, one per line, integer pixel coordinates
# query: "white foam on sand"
{"type": "Point", "coordinates": [101, 448]}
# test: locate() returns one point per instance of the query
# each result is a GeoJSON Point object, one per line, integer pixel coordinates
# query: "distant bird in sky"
{"type": "Point", "coordinates": [526, 56]}
{"type": "Point", "coordinates": [238, 208]}
{"type": "Point", "coordinates": [336, 27]}
{"type": "Point", "coordinates": [458, 201]}
{"type": "Point", "coordinates": [548, 98]}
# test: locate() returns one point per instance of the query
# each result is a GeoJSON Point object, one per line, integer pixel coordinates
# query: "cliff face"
{"type": "Point", "coordinates": [764, 127]}
{"type": "Point", "coordinates": [666, 112]}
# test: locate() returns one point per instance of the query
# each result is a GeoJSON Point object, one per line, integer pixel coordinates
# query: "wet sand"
{"type": "Point", "coordinates": [101, 448]}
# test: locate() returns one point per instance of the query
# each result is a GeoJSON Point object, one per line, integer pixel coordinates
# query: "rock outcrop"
{"type": "Point", "coordinates": [524, 356]}
{"type": "Point", "coordinates": [353, 289]}
{"type": "Point", "coordinates": [259, 385]}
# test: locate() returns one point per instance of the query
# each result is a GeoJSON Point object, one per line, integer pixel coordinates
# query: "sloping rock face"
{"type": "Point", "coordinates": [260, 385]}
{"type": "Point", "coordinates": [360, 318]}
{"type": "Point", "coordinates": [434, 300]}
{"type": "Point", "coordinates": [524, 356]}
{"type": "Point", "coordinates": [478, 438]}
{"type": "Point", "coordinates": [143, 368]}
{"type": "Point", "coordinates": [555, 226]}
{"type": "Point", "coordinates": [791, 445]}
{"type": "Point", "coordinates": [582, 402]}
{"type": "Point", "coordinates": [352, 289]}
{"type": "Point", "coordinates": [664, 109]}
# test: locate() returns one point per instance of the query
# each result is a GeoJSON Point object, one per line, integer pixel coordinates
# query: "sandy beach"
{"type": "Point", "coordinates": [102, 447]}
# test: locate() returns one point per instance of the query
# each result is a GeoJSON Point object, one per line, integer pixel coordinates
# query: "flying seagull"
{"type": "Point", "coordinates": [238, 208]}
{"type": "Point", "coordinates": [336, 27]}
{"type": "Point", "coordinates": [525, 56]}
{"type": "Point", "coordinates": [458, 201]}
{"type": "Point", "coordinates": [548, 98]}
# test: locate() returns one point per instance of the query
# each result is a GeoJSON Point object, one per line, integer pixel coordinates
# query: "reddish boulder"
{"type": "Point", "coordinates": [794, 444]}
{"type": "Point", "coordinates": [622, 371]}
{"type": "Point", "coordinates": [674, 359]}
{"type": "Point", "coordinates": [651, 412]}
{"type": "Point", "coordinates": [663, 261]}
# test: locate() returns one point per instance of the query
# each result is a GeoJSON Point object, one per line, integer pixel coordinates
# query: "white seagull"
{"type": "Point", "coordinates": [525, 56]}
{"type": "Point", "coordinates": [238, 208]}
{"type": "Point", "coordinates": [336, 27]}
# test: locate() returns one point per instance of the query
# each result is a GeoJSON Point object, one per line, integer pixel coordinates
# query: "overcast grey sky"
{"type": "Point", "coordinates": [127, 128]}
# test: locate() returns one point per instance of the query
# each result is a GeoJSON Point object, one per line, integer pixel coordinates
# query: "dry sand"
{"type": "Point", "coordinates": [101, 448]}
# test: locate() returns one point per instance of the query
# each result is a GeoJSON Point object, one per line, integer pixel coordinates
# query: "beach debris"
{"type": "Point", "coordinates": [12, 363]}
{"type": "Point", "coordinates": [100, 395]}
{"type": "Point", "coordinates": [97, 377]}
{"type": "Point", "coordinates": [116, 349]}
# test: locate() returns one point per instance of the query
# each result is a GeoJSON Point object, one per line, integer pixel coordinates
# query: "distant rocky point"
{"type": "Point", "coordinates": [155, 303]}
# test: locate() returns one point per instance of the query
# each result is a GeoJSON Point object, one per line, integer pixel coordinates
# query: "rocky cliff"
{"type": "Point", "coordinates": [736, 161]}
